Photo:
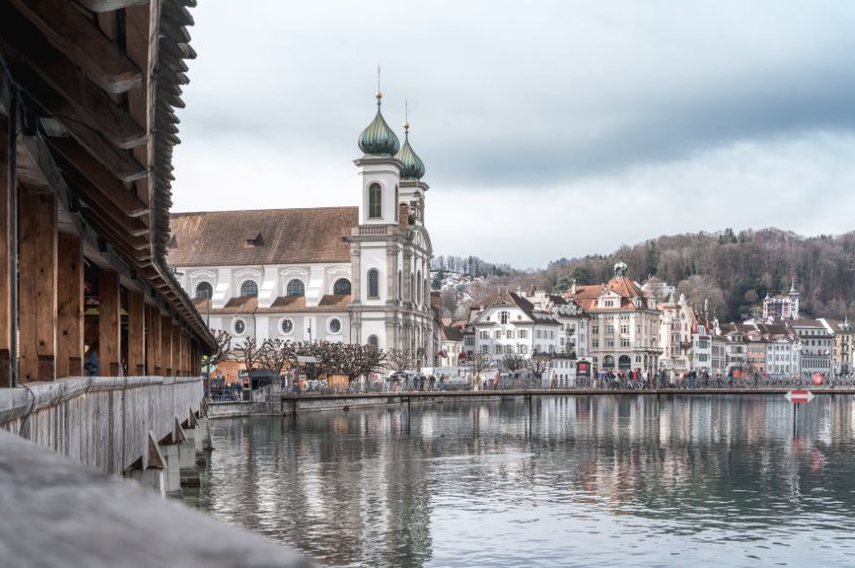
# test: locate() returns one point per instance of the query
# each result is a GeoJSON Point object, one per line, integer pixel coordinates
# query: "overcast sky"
{"type": "Point", "coordinates": [548, 129]}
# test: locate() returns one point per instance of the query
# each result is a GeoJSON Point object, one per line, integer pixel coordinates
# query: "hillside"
{"type": "Point", "coordinates": [732, 271]}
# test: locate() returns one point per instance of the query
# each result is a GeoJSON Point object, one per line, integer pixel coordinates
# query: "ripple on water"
{"type": "Point", "coordinates": [583, 481]}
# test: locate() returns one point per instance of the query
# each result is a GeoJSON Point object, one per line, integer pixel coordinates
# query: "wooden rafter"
{"type": "Point", "coordinates": [110, 5]}
{"type": "Point", "coordinates": [70, 31]}
{"type": "Point", "coordinates": [102, 179]}
{"type": "Point", "coordinates": [42, 68]}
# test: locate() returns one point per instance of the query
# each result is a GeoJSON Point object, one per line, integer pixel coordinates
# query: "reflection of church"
{"type": "Point", "coordinates": [349, 274]}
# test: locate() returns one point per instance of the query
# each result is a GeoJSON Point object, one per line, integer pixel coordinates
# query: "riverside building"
{"type": "Point", "coordinates": [353, 274]}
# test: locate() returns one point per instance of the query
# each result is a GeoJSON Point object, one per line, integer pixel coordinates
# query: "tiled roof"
{"type": "Point", "coordinates": [586, 296]}
{"type": "Point", "coordinates": [281, 305]}
{"type": "Point", "coordinates": [287, 236]}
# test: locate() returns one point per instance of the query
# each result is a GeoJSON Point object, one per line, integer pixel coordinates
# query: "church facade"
{"type": "Point", "coordinates": [358, 274]}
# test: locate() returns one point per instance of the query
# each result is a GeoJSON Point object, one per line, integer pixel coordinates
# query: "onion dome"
{"type": "Point", "coordinates": [378, 139]}
{"type": "Point", "coordinates": [414, 168]}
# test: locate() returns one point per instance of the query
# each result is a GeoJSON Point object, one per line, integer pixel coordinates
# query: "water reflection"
{"type": "Point", "coordinates": [571, 481]}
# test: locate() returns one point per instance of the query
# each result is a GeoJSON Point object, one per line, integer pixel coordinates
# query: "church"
{"type": "Point", "coordinates": [355, 274]}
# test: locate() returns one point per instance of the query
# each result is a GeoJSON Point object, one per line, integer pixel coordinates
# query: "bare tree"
{"type": "Point", "coordinates": [224, 345]}
{"type": "Point", "coordinates": [480, 362]}
{"type": "Point", "coordinates": [539, 364]}
{"type": "Point", "coordinates": [400, 359]}
{"type": "Point", "coordinates": [357, 360]}
{"type": "Point", "coordinates": [248, 353]}
{"type": "Point", "coordinates": [275, 354]}
{"type": "Point", "coordinates": [513, 363]}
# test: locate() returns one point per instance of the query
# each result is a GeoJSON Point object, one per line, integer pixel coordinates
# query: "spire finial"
{"type": "Point", "coordinates": [379, 94]}
{"type": "Point", "coordinates": [406, 119]}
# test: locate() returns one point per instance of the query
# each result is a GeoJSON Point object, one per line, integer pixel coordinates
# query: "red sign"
{"type": "Point", "coordinates": [799, 397]}
{"type": "Point", "coordinates": [818, 379]}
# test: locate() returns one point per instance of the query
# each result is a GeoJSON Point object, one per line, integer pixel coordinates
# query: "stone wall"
{"type": "Point", "coordinates": [106, 422]}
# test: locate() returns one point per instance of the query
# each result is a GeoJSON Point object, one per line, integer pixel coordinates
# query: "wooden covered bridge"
{"type": "Point", "coordinates": [88, 90]}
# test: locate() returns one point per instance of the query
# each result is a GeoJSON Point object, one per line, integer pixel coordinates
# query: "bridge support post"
{"type": "Point", "coordinates": [37, 235]}
{"type": "Point", "coordinates": [150, 470]}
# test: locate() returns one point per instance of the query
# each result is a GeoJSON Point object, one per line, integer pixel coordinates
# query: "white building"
{"type": "Point", "coordinates": [624, 325]}
{"type": "Point", "coordinates": [817, 342]}
{"type": "Point", "coordinates": [677, 325]}
{"type": "Point", "coordinates": [508, 323]}
{"type": "Point", "coordinates": [356, 274]}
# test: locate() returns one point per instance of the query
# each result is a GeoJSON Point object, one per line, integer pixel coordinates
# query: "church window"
{"type": "Point", "coordinates": [296, 288]}
{"type": "Point", "coordinates": [249, 289]}
{"type": "Point", "coordinates": [375, 201]}
{"type": "Point", "coordinates": [335, 325]}
{"type": "Point", "coordinates": [204, 290]}
{"type": "Point", "coordinates": [397, 206]}
{"type": "Point", "coordinates": [373, 283]}
{"type": "Point", "coordinates": [287, 326]}
{"type": "Point", "coordinates": [341, 287]}
{"type": "Point", "coordinates": [239, 327]}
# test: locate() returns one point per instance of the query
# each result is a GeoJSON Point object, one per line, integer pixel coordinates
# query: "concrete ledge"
{"type": "Point", "coordinates": [59, 513]}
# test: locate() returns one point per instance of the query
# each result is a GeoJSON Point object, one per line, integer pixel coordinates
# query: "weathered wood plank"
{"type": "Point", "coordinates": [69, 349]}
{"type": "Point", "coordinates": [136, 333]}
{"type": "Point", "coordinates": [166, 346]}
{"type": "Point", "coordinates": [110, 5]}
{"type": "Point", "coordinates": [99, 176]}
{"type": "Point", "coordinates": [38, 286]}
{"type": "Point", "coordinates": [176, 351]}
{"type": "Point", "coordinates": [152, 338]}
{"type": "Point", "coordinates": [5, 256]}
{"type": "Point", "coordinates": [74, 34]}
{"type": "Point", "coordinates": [109, 322]}
{"type": "Point", "coordinates": [25, 48]}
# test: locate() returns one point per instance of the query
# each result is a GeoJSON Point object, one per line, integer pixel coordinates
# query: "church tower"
{"type": "Point", "coordinates": [390, 249]}
{"type": "Point", "coordinates": [375, 247]}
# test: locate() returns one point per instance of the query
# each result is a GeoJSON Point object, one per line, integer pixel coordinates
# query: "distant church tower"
{"type": "Point", "coordinates": [390, 249]}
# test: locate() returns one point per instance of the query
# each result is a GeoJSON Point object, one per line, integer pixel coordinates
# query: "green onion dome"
{"type": "Point", "coordinates": [378, 139]}
{"type": "Point", "coordinates": [414, 168]}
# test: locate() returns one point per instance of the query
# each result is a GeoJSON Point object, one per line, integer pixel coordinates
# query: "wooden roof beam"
{"type": "Point", "coordinates": [99, 176]}
{"type": "Point", "coordinates": [25, 48]}
{"type": "Point", "coordinates": [79, 38]}
{"type": "Point", "coordinates": [94, 199]}
{"type": "Point", "coordinates": [110, 5]}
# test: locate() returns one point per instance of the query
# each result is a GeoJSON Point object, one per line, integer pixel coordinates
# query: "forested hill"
{"type": "Point", "coordinates": [733, 271]}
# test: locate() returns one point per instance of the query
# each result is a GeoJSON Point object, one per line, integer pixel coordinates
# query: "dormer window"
{"type": "Point", "coordinates": [255, 241]}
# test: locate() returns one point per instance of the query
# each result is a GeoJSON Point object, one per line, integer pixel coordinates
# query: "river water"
{"type": "Point", "coordinates": [700, 481]}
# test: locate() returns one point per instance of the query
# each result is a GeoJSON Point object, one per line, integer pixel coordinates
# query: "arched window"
{"type": "Point", "coordinates": [608, 362]}
{"type": "Point", "coordinates": [375, 201]}
{"type": "Point", "coordinates": [373, 341]}
{"type": "Point", "coordinates": [249, 289]}
{"type": "Point", "coordinates": [400, 282]}
{"type": "Point", "coordinates": [204, 290]}
{"type": "Point", "coordinates": [296, 289]}
{"type": "Point", "coordinates": [419, 287]}
{"type": "Point", "coordinates": [373, 283]}
{"type": "Point", "coordinates": [341, 287]}
{"type": "Point", "coordinates": [397, 205]}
